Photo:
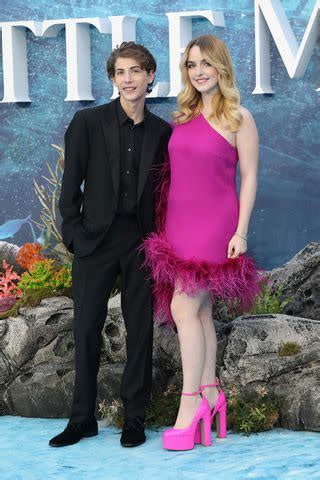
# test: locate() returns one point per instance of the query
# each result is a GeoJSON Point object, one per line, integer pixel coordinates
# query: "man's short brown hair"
{"type": "Point", "coordinates": [132, 50]}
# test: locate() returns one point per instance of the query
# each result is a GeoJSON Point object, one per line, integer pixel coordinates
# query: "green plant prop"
{"type": "Point", "coordinates": [289, 349]}
{"type": "Point", "coordinates": [62, 278]}
{"type": "Point", "coordinates": [162, 410]}
{"type": "Point", "coordinates": [269, 302]}
{"type": "Point", "coordinates": [48, 196]}
{"type": "Point", "coordinates": [39, 276]}
{"type": "Point", "coordinates": [43, 280]}
{"type": "Point", "coordinates": [111, 413]}
{"type": "Point", "coordinates": [251, 412]}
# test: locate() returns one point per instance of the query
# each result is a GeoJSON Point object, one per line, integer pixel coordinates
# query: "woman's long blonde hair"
{"type": "Point", "coordinates": [225, 102]}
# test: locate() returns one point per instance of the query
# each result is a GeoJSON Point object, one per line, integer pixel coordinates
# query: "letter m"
{"type": "Point", "coordinates": [270, 18]}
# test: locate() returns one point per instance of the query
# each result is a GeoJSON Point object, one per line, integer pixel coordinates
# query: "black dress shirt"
{"type": "Point", "coordinates": [131, 138]}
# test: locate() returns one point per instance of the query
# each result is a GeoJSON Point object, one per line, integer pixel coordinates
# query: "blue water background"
{"type": "Point", "coordinates": [286, 215]}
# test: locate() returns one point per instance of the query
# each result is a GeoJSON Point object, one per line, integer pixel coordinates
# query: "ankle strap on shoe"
{"type": "Point", "coordinates": [202, 387]}
{"type": "Point", "coordinates": [191, 394]}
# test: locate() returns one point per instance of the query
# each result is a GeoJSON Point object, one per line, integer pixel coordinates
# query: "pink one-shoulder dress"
{"type": "Point", "coordinates": [199, 211]}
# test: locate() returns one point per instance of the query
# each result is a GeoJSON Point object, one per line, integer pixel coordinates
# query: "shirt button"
{"type": "Point", "coordinates": [126, 194]}
{"type": "Point", "coordinates": [127, 172]}
{"type": "Point", "coordinates": [129, 149]}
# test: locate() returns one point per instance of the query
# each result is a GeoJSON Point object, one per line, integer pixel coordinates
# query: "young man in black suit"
{"type": "Point", "coordinates": [116, 149]}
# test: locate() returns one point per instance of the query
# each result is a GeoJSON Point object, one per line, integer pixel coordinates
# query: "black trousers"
{"type": "Point", "coordinates": [93, 277]}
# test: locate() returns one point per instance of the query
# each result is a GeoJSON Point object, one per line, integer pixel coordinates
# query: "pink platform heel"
{"type": "Point", "coordinates": [184, 438]}
{"type": "Point", "coordinates": [219, 411]}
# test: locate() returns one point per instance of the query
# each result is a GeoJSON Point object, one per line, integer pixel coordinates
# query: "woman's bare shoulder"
{"type": "Point", "coordinates": [247, 118]}
{"type": "Point", "coordinates": [246, 114]}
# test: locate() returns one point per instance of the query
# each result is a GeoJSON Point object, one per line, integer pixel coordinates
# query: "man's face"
{"type": "Point", "coordinates": [131, 80]}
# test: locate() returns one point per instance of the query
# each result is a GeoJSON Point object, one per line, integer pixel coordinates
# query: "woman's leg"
{"type": "Point", "coordinates": [185, 312]}
{"type": "Point", "coordinates": [209, 370]}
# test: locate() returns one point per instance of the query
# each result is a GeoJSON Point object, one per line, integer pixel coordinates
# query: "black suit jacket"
{"type": "Point", "coordinates": [92, 154]}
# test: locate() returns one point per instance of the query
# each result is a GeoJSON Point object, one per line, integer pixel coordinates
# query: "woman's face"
{"type": "Point", "coordinates": [202, 75]}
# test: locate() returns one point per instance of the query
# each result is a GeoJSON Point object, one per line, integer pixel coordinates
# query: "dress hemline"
{"type": "Point", "coordinates": [233, 280]}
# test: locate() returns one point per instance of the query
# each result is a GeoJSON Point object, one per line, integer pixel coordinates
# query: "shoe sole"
{"type": "Point", "coordinates": [132, 444]}
{"type": "Point", "coordinates": [87, 435]}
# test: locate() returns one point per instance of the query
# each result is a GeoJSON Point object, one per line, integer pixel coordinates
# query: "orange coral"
{"type": "Point", "coordinates": [28, 254]}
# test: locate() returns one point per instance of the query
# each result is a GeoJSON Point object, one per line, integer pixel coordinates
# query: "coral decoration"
{"type": "Point", "coordinates": [28, 254]}
{"type": "Point", "coordinates": [38, 277]}
{"type": "Point", "coordinates": [62, 278]}
{"type": "Point", "coordinates": [8, 287]}
{"type": "Point", "coordinates": [48, 194]}
{"type": "Point", "coordinates": [43, 276]}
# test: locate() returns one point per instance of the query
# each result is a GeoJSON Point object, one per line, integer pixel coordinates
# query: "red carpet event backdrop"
{"type": "Point", "coordinates": [54, 63]}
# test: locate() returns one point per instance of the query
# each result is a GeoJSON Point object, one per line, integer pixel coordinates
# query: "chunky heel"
{"type": "Point", "coordinates": [221, 421]}
{"type": "Point", "coordinates": [197, 437]}
{"type": "Point", "coordinates": [205, 427]}
{"type": "Point", "coordinates": [219, 411]}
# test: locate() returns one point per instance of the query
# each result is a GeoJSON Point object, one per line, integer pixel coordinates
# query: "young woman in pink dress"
{"type": "Point", "coordinates": [198, 252]}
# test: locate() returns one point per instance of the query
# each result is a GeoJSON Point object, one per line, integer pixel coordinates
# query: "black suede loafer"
{"type": "Point", "coordinates": [73, 433]}
{"type": "Point", "coordinates": [132, 432]}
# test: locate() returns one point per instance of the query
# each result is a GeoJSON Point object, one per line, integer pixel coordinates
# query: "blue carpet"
{"type": "Point", "coordinates": [274, 455]}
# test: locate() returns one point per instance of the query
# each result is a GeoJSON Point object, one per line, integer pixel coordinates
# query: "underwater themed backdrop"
{"type": "Point", "coordinates": [286, 214]}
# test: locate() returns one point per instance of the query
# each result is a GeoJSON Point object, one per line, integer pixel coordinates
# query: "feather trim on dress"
{"type": "Point", "coordinates": [234, 280]}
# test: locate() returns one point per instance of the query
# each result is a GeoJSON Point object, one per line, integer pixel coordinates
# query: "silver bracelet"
{"type": "Point", "coordinates": [241, 236]}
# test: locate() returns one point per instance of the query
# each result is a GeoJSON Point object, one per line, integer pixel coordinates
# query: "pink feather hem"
{"type": "Point", "coordinates": [234, 280]}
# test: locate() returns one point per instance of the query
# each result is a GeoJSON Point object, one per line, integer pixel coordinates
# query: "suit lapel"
{"type": "Point", "coordinates": [111, 134]}
{"type": "Point", "coordinates": [149, 146]}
